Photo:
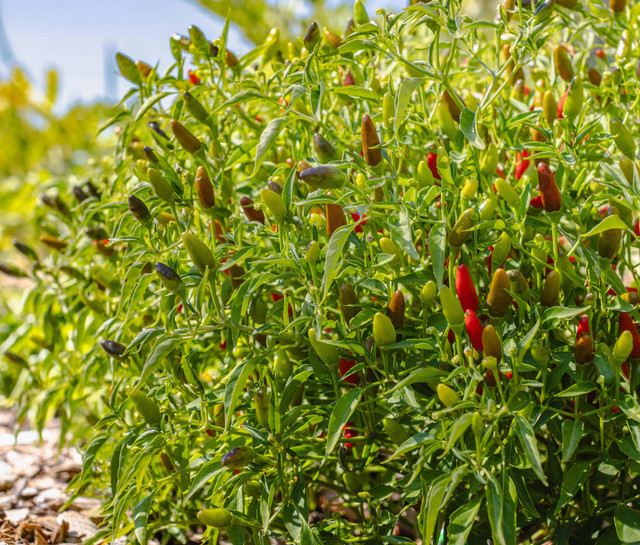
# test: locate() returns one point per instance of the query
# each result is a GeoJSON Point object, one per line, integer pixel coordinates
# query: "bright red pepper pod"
{"type": "Point", "coordinates": [432, 161]}
{"type": "Point", "coordinates": [625, 322]}
{"type": "Point", "coordinates": [583, 327]}
{"type": "Point", "coordinates": [349, 433]}
{"type": "Point", "coordinates": [466, 290]}
{"type": "Point", "coordinates": [474, 329]}
{"type": "Point", "coordinates": [344, 366]}
{"type": "Point", "coordinates": [551, 198]}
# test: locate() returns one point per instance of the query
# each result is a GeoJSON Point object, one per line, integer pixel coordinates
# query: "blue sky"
{"type": "Point", "coordinates": [80, 38]}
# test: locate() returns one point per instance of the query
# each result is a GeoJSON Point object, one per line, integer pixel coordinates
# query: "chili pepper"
{"type": "Point", "coordinates": [156, 128]}
{"type": "Point", "coordinates": [166, 462]}
{"type": "Point", "coordinates": [583, 327]}
{"type": "Point", "coordinates": [26, 250]}
{"type": "Point", "coordinates": [428, 294]}
{"type": "Point", "coordinates": [199, 252]}
{"type": "Point", "coordinates": [396, 431]}
{"type": "Point", "coordinates": [487, 208]}
{"type": "Point", "coordinates": [489, 161]}
{"type": "Point", "coordinates": [544, 10]}
{"type": "Point", "coordinates": [492, 346]}
{"type": "Point", "coordinates": [323, 177]}
{"type": "Point", "coordinates": [261, 403]}
{"type": "Point", "coordinates": [459, 233]}
{"type": "Point", "coordinates": [388, 111]}
{"type": "Point", "coordinates": [396, 309]}
{"type": "Point", "coordinates": [325, 351]}
{"type": "Point", "coordinates": [519, 284]}
{"type": "Point", "coordinates": [617, 6]}
{"type": "Point", "coordinates": [370, 141]}
{"type": "Point", "coordinates": [465, 289]}
{"type": "Point", "coordinates": [198, 40]}
{"type": "Point", "coordinates": [238, 457]}
{"type": "Point", "coordinates": [583, 351]}
{"type": "Point", "coordinates": [360, 13]}
{"type": "Point", "coordinates": [205, 189]}
{"type": "Point", "coordinates": [187, 140]}
{"type": "Point", "coordinates": [139, 211]}
{"type": "Point", "coordinates": [539, 354]}
{"type": "Point", "coordinates": [349, 433]}
{"type": "Point", "coordinates": [282, 366]}
{"type": "Point", "coordinates": [79, 194]}
{"type": "Point", "coordinates": [501, 250]}
{"type": "Point", "coordinates": [549, 192]}
{"type": "Point", "coordinates": [470, 188]}
{"type": "Point", "coordinates": [522, 164]}
{"type": "Point", "coordinates": [53, 242]}
{"type": "Point", "coordinates": [595, 78]}
{"type": "Point", "coordinates": [146, 406]}
{"type": "Point", "coordinates": [499, 299]}
{"type": "Point", "coordinates": [424, 174]}
{"type": "Point", "coordinates": [451, 106]}
{"type": "Point", "coordinates": [349, 302]}
{"type": "Point", "coordinates": [623, 138]}
{"type": "Point", "coordinates": [193, 77]}
{"type": "Point", "coordinates": [252, 213]}
{"type": "Point", "coordinates": [324, 151]}
{"type": "Point", "coordinates": [161, 187]}
{"type": "Point", "coordinates": [128, 68]}
{"type": "Point", "coordinates": [312, 251]}
{"type": "Point", "coordinates": [609, 240]}
{"type": "Point", "coordinates": [55, 203]}
{"type": "Point", "coordinates": [332, 39]}
{"type": "Point", "coordinates": [623, 347]}
{"type": "Point", "coordinates": [447, 395]}
{"type": "Point", "coordinates": [477, 424]}
{"type": "Point", "coordinates": [628, 167]}
{"type": "Point", "coordinates": [474, 330]}
{"type": "Point", "coordinates": [335, 218]}
{"type": "Point", "coordinates": [625, 323]}
{"type": "Point", "coordinates": [506, 191]}
{"type": "Point", "coordinates": [344, 366]}
{"type": "Point", "coordinates": [352, 482]}
{"type": "Point", "coordinates": [574, 100]}
{"type": "Point", "coordinates": [312, 36]}
{"type": "Point", "coordinates": [274, 203]}
{"type": "Point", "coordinates": [389, 247]}
{"type": "Point", "coordinates": [170, 279]}
{"type": "Point", "coordinates": [217, 518]}
{"type": "Point", "coordinates": [550, 293]}
{"type": "Point", "coordinates": [562, 63]}
{"type": "Point", "coordinates": [384, 332]}
{"type": "Point", "coordinates": [451, 308]}
{"type": "Point", "coordinates": [195, 107]}
{"type": "Point", "coordinates": [150, 155]}
{"type": "Point", "coordinates": [446, 121]}
{"type": "Point", "coordinates": [549, 108]}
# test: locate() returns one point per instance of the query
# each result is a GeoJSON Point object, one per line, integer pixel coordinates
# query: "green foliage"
{"type": "Point", "coordinates": [206, 348]}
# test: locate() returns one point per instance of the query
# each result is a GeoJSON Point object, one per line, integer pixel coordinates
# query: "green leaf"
{"type": "Point", "coordinates": [149, 103]}
{"type": "Point", "coordinates": [561, 313]}
{"type": "Point", "coordinates": [468, 128]}
{"type": "Point", "coordinates": [238, 257]}
{"type": "Point", "coordinates": [161, 350]}
{"type": "Point", "coordinates": [529, 443]}
{"type": "Point", "coordinates": [356, 92]}
{"type": "Point", "coordinates": [571, 483]}
{"type": "Point", "coordinates": [267, 138]}
{"type": "Point", "coordinates": [205, 473]}
{"type": "Point", "coordinates": [141, 518]}
{"type": "Point", "coordinates": [571, 434]}
{"type": "Point", "coordinates": [342, 411]}
{"type": "Point", "coordinates": [610, 222]}
{"type": "Point", "coordinates": [431, 507]}
{"type": "Point", "coordinates": [424, 374]}
{"type": "Point", "coordinates": [577, 389]}
{"type": "Point", "coordinates": [437, 250]}
{"type": "Point", "coordinates": [495, 506]}
{"type": "Point", "coordinates": [456, 431]}
{"type": "Point", "coordinates": [462, 520]}
{"type": "Point", "coordinates": [401, 234]}
{"type": "Point", "coordinates": [627, 523]}
{"type": "Point", "coordinates": [235, 386]}
{"type": "Point", "coordinates": [403, 97]}
{"type": "Point", "coordinates": [334, 256]}
{"type": "Point", "coordinates": [413, 443]}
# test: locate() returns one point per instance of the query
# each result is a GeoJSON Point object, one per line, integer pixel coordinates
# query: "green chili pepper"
{"type": "Point", "coordinates": [451, 308]}
{"type": "Point", "coordinates": [623, 347]}
{"type": "Point", "coordinates": [160, 184]}
{"type": "Point", "coordinates": [326, 352]}
{"type": "Point", "coordinates": [217, 518]}
{"type": "Point", "coordinates": [499, 299]}
{"type": "Point", "coordinates": [199, 252]}
{"type": "Point", "coordinates": [396, 431]}
{"type": "Point", "coordinates": [574, 100]}
{"type": "Point", "coordinates": [146, 407]}
{"type": "Point", "coordinates": [261, 402]}
{"type": "Point", "coordinates": [428, 294]}
{"type": "Point", "coordinates": [349, 302]}
{"type": "Point", "coordinates": [460, 233]}
{"type": "Point", "coordinates": [324, 151]}
{"type": "Point", "coordinates": [562, 63]}
{"type": "Point", "coordinates": [447, 396]}
{"type": "Point", "coordinates": [489, 161]}
{"type": "Point", "coordinates": [187, 140]}
{"type": "Point", "coordinates": [550, 293]}
{"type": "Point", "coordinates": [194, 107]}
{"type": "Point", "coordinates": [238, 457]}
{"type": "Point", "coordinates": [477, 424]}
{"type": "Point", "coordinates": [274, 203]}
{"type": "Point", "coordinates": [384, 333]}
{"type": "Point", "coordinates": [323, 177]}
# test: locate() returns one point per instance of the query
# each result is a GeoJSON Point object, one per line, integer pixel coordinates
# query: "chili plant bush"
{"type": "Point", "coordinates": [373, 287]}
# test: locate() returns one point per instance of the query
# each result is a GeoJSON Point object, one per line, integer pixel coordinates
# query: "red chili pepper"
{"type": "Point", "coordinates": [465, 289]}
{"type": "Point", "coordinates": [348, 79]}
{"type": "Point", "coordinates": [600, 53]}
{"type": "Point", "coordinates": [195, 80]}
{"type": "Point", "coordinates": [451, 336]}
{"type": "Point", "coordinates": [561, 104]}
{"type": "Point", "coordinates": [344, 366]}
{"type": "Point", "coordinates": [625, 322]}
{"type": "Point", "coordinates": [349, 433]}
{"type": "Point", "coordinates": [522, 163]}
{"type": "Point", "coordinates": [583, 327]}
{"type": "Point", "coordinates": [223, 345]}
{"type": "Point", "coordinates": [614, 409]}
{"type": "Point", "coordinates": [625, 369]}
{"type": "Point", "coordinates": [275, 297]}
{"type": "Point", "coordinates": [636, 229]}
{"type": "Point", "coordinates": [509, 375]}
{"type": "Point", "coordinates": [474, 330]}
{"type": "Point", "coordinates": [500, 173]}
{"type": "Point", "coordinates": [432, 162]}
{"type": "Point", "coordinates": [536, 202]}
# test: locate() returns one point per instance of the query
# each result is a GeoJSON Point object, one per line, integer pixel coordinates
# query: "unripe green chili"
{"type": "Point", "coordinates": [146, 406]}
{"type": "Point", "coordinates": [451, 308]}
{"type": "Point", "coordinates": [384, 333]}
{"type": "Point", "coordinates": [261, 402]}
{"type": "Point", "coordinates": [199, 252]}
{"type": "Point", "coordinates": [501, 250]}
{"type": "Point", "coordinates": [324, 151]}
{"type": "Point", "coordinates": [499, 299]}
{"type": "Point", "coordinates": [539, 354]}
{"type": "Point", "coordinates": [396, 431]}
{"type": "Point", "coordinates": [424, 174]}
{"type": "Point", "coordinates": [550, 294]}
{"type": "Point", "coordinates": [491, 345]}
{"type": "Point", "coordinates": [489, 161]}
{"type": "Point", "coordinates": [323, 177]}
{"type": "Point", "coordinates": [389, 247]}
{"type": "Point", "coordinates": [460, 232]}
{"type": "Point", "coordinates": [487, 208]}
{"type": "Point", "coordinates": [274, 202]}
{"type": "Point", "coordinates": [349, 302]}
{"type": "Point", "coordinates": [326, 352]}
{"type": "Point", "coordinates": [428, 293]}
{"type": "Point", "coordinates": [217, 518]}
{"type": "Point", "coordinates": [623, 347]}
{"type": "Point", "coordinates": [312, 251]}
{"type": "Point", "coordinates": [519, 284]}
{"type": "Point", "coordinates": [574, 100]}
{"type": "Point", "coordinates": [623, 138]}
{"type": "Point", "coordinates": [609, 240]}
{"type": "Point", "coordinates": [562, 63]}
{"type": "Point", "coordinates": [549, 107]}
{"type": "Point", "coordinates": [506, 191]}
{"type": "Point", "coordinates": [238, 457]}
{"type": "Point", "coordinates": [194, 107]}
{"type": "Point", "coordinates": [161, 186]}
{"type": "Point", "coordinates": [477, 424]}
{"type": "Point", "coordinates": [447, 396]}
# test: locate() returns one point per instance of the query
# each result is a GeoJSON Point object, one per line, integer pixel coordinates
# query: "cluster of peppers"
{"type": "Point", "coordinates": [382, 274]}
